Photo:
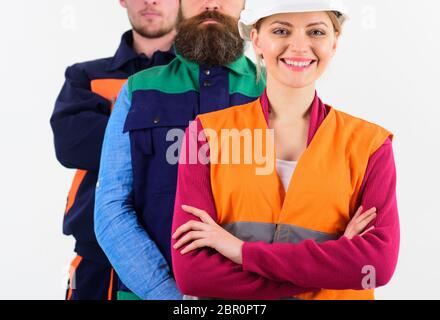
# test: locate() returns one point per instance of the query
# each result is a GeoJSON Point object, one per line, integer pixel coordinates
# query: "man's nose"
{"type": "Point", "coordinates": [212, 5]}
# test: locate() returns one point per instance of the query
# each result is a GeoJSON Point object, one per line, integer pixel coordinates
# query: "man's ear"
{"type": "Point", "coordinates": [243, 4]}
{"type": "Point", "coordinates": [256, 42]}
{"type": "Point", "coordinates": [123, 3]}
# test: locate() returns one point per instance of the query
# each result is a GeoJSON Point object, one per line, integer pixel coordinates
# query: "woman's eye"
{"type": "Point", "coordinates": [317, 33]}
{"type": "Point", "coordinates": [281, 32]}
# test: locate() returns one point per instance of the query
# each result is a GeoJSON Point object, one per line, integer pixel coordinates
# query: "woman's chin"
{"type": "Point", "coordinates": [297, 83]}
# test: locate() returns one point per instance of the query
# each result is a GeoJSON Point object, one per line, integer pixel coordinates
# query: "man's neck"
{"type": "Point", "coordinates": [149, 46]}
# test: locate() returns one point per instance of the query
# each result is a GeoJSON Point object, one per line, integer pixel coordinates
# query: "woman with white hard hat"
{"type": "Point", "coordinates": [293, 225]}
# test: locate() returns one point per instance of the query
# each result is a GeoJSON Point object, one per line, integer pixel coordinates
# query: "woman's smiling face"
{"type": "Point", "coordinates": [296, 47]}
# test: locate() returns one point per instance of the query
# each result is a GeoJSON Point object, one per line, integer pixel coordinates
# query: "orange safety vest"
{"type": "Point", "coordinates": [323, 192]}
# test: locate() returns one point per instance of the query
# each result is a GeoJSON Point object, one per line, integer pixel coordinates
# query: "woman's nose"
{"type": "Point", "coordinates": [299, 42]}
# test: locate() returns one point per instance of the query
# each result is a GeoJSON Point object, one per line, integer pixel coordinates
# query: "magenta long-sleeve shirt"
{"type": "Point", "coordinates": [279, 270]}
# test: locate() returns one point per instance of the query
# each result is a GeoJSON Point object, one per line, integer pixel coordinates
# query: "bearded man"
{"type": "Point", "coordinates": [137, 182]}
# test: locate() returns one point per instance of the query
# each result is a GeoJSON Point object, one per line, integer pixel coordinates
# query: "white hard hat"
{"type": "Point", "coordinates": [258, 9]}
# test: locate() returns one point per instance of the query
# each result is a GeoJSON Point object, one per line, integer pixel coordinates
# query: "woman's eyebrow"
{"type": "Point", "coordinates": [285, 23]}
{"type": "Point", "coordinates": [288, 24]}
{"type": "Point", "coordinates": [317, 24]}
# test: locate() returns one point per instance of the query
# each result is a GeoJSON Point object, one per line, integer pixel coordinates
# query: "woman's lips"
{"type": "Point", "coordinates": [298, 64]}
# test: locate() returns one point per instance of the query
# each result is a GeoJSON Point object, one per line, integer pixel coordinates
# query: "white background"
{"type": "Point", "coordinates": [386, 71]}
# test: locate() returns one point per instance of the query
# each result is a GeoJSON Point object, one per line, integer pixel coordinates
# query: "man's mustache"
{"type": "Point", "coordinates": [209, 15]}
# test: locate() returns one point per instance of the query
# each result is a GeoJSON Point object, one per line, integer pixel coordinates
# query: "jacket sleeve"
{"type": "Point", "coordinates": [341, 264]}
{"type": "Point", "coordinates": [206, 273]}
{"type": "Point", "coordinates": [134, 255]}
{"type": "Point", "coordinates": [79, 121]}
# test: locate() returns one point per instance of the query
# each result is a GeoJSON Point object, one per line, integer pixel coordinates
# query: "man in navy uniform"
{"type": "Point", "coordinates": [79, 120]}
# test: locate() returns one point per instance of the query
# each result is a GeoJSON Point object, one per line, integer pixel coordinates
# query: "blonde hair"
{"type": "Point", "coordinates": [337, 20]}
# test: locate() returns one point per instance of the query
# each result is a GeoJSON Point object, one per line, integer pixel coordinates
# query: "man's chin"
{"type": "Point", "coordinates": [152, 33]}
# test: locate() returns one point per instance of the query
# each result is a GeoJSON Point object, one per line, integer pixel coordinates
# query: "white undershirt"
{"type": "Point", "coordinates": [285, 171]}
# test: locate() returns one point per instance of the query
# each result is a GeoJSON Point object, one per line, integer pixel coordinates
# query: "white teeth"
{"type": "Point", "coordinates": [297, 63]}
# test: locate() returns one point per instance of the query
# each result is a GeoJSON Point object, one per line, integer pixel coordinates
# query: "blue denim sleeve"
{"type": "Point", "coordinates": [135, 257]}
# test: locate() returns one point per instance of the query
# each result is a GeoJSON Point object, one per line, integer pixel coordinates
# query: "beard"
{"type": "Point", "coordinates": [212, 44]}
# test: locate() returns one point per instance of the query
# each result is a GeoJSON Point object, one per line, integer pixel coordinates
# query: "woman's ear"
{"type": "Point", "coordinates": [256, 42]}
{"type": "Point", "coordinates": [336, 43]}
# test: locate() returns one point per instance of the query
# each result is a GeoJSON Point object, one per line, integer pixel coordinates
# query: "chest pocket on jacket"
{"type": "Point", "coordinates": [156, 129]}
{"type": "Point", "coordinates": [156, 133]}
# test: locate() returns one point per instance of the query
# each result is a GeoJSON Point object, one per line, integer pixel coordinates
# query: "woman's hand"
{"type": "Point", "coordinates": [207, 233]}
{"type": "Point", "coordinates": [359, 222]}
